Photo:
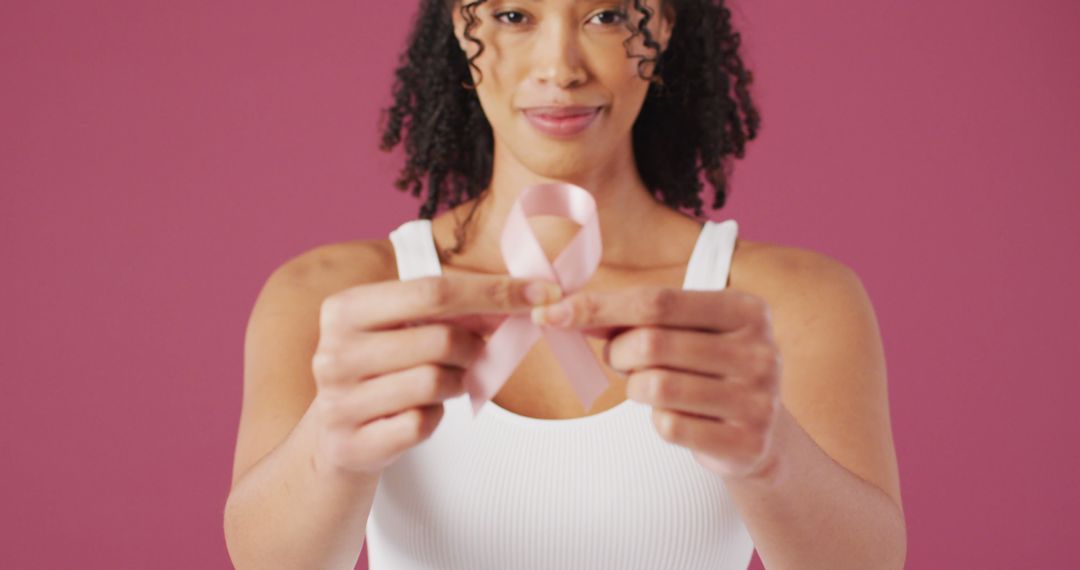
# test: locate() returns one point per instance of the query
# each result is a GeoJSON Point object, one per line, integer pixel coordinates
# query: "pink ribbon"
{"type": "Point", "coordinates": [525, 259]}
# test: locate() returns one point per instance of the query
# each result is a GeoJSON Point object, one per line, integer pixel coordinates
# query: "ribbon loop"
{"type": "Point", "coordinates": [572, 268]}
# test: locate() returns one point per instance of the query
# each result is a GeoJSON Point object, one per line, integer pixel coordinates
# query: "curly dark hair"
{"type": "Point", "coordinates": [697, 112]}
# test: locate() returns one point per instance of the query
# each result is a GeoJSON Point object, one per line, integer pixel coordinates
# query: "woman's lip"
{"type": "Point", "coordinates": [562, 126]}
{"type": "Point", "coordinates": [561, 111]}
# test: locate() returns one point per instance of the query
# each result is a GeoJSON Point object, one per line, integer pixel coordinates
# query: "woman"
{"type": "Point", "coordinates": [747, 404]}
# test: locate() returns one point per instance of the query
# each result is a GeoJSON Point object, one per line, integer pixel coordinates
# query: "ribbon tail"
{"type": "Point", "coordinates": [579, 363]}
{"type": "Point", "coordinates": [507, 346]}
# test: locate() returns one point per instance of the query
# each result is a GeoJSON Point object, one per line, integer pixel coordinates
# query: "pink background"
{"type": "Point", "coordinates": [158, 160]}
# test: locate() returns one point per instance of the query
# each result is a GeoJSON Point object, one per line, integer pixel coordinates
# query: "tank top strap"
{"type": "Point", "coordinates": [710, 262]}
{"type": "Point", "coordinates": [414, 248]}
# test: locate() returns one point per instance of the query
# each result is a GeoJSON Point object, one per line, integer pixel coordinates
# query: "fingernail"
{"type": "Point", "coordinates": [539, 292]}
{"type": "Point", "coordinates": [551, 315]}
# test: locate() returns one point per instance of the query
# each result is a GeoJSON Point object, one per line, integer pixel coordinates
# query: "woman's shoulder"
{"type": "Point", "coordinates": [785, 274]}
{"type": "Point", "coordinates": [325, 269]}
{"type": "Point", "coordinates": [775, 261]}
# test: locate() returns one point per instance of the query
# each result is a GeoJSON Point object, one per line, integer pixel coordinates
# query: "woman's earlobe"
{"type": "Point", "coordinates": [669, 24]}
{"type": "Point", "coordinates": [461, 41]}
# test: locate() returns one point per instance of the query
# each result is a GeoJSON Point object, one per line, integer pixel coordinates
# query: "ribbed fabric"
{"type": "Point", "coordinates": [509, 492]}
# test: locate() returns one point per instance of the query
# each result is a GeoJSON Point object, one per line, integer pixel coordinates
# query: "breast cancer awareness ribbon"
{"type": "Point", "coordinates": [525, 259]}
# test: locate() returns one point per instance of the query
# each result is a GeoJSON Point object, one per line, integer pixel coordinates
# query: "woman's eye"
{"type": "Point", "coordinates": [618, 16]}
{"type": "Point", "coordinates": [519, 16]}
{"type": "Point", "coordinates": [514, 17]}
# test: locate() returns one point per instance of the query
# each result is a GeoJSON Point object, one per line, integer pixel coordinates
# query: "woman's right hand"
{"type": "Point", "coordinates": [391, 352]}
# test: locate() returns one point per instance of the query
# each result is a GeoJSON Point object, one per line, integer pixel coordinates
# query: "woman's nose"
{"type": "Point", "coordinates": [558, 56]}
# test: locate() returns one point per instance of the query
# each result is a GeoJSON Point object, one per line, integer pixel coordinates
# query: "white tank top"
{"type": "Point", "coordinates": [505, 491]}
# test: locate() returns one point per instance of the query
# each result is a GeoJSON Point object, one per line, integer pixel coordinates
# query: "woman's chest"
{"type": "Point", "coordinates": [607, 492]}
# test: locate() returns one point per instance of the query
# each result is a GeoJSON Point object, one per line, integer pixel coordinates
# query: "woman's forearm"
{"type": "Point", "coordinates": [809, 512]}
{"type": "Point", "coordinates": [285, 513]}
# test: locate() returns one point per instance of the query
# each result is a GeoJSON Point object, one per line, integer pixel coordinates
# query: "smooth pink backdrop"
{"type": "Point", "coordinates": [158, 161]}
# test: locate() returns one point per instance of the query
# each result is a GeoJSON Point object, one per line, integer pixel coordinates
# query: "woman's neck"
{"type": "Point", "coordinates": [634, 225]}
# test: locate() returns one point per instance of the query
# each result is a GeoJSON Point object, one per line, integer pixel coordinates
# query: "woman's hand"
{"type": "Point", "coordinates": [391, 353]}
{"type": "Point", "coordinates": [705, 360]}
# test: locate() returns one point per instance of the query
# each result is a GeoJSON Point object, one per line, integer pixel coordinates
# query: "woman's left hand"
{"type": "Point", "coordinates": [704, 360]}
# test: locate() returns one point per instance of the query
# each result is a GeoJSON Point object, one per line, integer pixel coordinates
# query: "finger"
{"type": "Point", "coordinates": [708, 353]}
{"type": "Point", "coordinates": [479, 323]}
{"type": "Point", "coordinates": [712, 397]}
{"type": "Point", "coordinates": [383, 352]}
{"type": "Point", "coordinates": [423, 385]}
{"type": "Point", "coordinates": [719, 310]}
{"type": "Point", "coordinates": [607, 333]}
{"type": "Point", "coordinates": [392, 436]}
{"type": "Point", "coordinates": [720, 439]}
{"type": "Point", "coordinates": [384, 304]}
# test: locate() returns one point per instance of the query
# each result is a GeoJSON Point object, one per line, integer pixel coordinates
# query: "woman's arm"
{"type": "Point", "coordinates": [832, 499]}
{"type": "Point", "coordinates": [811, 512]}
{"type": "Point", "coordinates": [287, 512]}
{"type": "Point", "coordinates": [284, 509]}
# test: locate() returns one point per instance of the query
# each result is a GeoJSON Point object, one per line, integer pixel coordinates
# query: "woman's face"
{"type": "Point", "coordinates": [545, 54]}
